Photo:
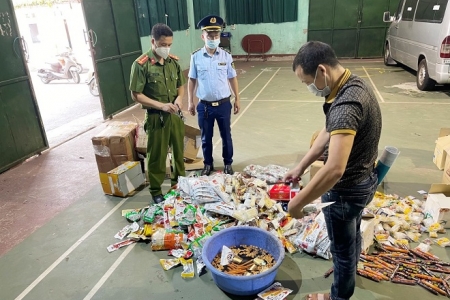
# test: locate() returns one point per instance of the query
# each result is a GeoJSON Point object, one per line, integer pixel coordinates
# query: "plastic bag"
{"type": "Point", "coordinates": [141, 137]}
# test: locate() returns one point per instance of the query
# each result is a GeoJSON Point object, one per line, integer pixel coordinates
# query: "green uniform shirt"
{"type": "Point", "coordinates": [156, 81]}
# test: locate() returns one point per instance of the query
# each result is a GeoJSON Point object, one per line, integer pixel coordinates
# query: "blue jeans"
{"type": "Point", "coordinates": [343, 219]}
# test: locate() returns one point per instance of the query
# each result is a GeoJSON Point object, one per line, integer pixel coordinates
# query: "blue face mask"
{"type": "Point", "coordinates": [212, 44]}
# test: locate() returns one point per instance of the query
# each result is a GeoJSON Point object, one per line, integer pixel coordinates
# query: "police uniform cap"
{"type": "Point", "coordinates": [211, 23]}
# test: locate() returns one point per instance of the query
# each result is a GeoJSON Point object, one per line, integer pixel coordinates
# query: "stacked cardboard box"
{"type": "Point", "coordinates": [438, 203]}
{"type": "Point", "coordinates": [192, 143]}
{"type": "Point", "coordinates": [446, 175]}
{"type": "Point", "coordinates": [122, 180]}
{"type": "Point", "coordinates": [442, 148]}
{"type": "Point", "coordinates": [114, 145]}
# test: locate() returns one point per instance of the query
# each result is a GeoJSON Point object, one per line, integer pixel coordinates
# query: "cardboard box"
{"type": "Point", "coordinates": [446, 175]}
{"type": "Point", "coordinates": [114, 145]}
{"type": "Point", "coordinates": [438, 203]}
{"type": "Point", "coordinates": [191, 165]}
{"type": "Point", "coordinates": [192, 142]}
{"type": "Point", "coordinates": [122, 180]}
{"type": "Point", "coordinates": [315, 167]}
{"type": "Point", "coordinates": [442, 147]}
{"type": "Point", "coordinates": [313, 138]}
{"type": "Point", "coordinates": [367, 229]}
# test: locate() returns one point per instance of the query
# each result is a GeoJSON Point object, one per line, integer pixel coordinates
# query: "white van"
{"type": "Point", "coordinates": [419, 37]}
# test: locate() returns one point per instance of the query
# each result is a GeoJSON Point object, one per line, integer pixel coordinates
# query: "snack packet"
{"type": "Point", "coordinates": [275, 292]}
{"type": "Point", "coordinates": [121, 244]}
{"type": "Point", "coordinates": [188, 268]}
{"type": "Point", "coordinates": [168, 264]}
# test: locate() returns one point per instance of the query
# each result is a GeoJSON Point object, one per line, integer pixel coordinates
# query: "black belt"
{"type": "Point", "coordinates": [216, 103]}
{"type": "Point", "coordinates": [152, 111]}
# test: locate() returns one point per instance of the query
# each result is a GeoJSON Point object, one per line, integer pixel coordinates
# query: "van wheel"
{"type": "Point", "coordinates": [424, 82]}
{"type": "Point", "coordinates": [388, 60]}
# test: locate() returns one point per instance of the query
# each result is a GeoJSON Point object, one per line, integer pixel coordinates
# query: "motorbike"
{"type": "Point", "coordinates": [65, 67]}
{"type": "Point", "coordinates": [93, 85]}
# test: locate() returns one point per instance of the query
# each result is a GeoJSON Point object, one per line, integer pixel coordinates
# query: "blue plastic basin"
{"type": "Point", "coordinates": [237, 236]}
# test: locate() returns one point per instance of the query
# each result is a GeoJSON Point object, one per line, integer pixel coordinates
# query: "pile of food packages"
{"type": "Point", "coordinates": [202, 205]}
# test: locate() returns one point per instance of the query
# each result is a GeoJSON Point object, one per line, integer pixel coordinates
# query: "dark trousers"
{"type": "Point", "coordinates": [207, 115]}
{"type": "Point", "coordinates": [343, 220]}
{"type": "Point", "coordinates": [159, 139]}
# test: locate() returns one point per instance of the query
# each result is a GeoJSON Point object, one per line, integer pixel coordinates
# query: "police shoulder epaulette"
{"type": "Point", "coordinates": [197, 50]}
{"type": "Point", "coordinates": [174, 57]}
{"type": "Point", "coordinates": [142, 59]}
{"type": "Point", "coordinates": [226, 50]}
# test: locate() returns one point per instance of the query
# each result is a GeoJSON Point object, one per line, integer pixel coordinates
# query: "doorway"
{"type": "Point", "coordinates": [51, 35]}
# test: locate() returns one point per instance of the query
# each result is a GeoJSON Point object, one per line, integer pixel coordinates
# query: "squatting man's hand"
{"type": "Point", "coordinates": [293, 175]}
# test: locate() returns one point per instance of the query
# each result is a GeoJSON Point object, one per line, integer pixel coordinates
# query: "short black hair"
{"type": "Point", "coordinates": [312, 54]}
{"type": "Point", "coordinates": [160, 30]}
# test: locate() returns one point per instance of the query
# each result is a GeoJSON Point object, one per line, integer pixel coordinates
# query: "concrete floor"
{"type": "Point", "coordinates": [56, 223]}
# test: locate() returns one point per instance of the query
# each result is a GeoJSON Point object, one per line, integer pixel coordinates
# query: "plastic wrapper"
{"type": "Point", "coordinates": [221, 208]}
{"type": "Point", "coordinates": [162, 240]}
{"type": "Point", "coordinates": [399, 235]}
{"type": "Point", "coordinates": [168, 264]}
{"type": "Point", "coordinates": [132, 215]}
{"type": "Point", "coordinates": [119, 245]}
{"type": "Point", "coordinates": [217, 181]}
{"type": "Point", "coordinates": [150, 214]}
{"type": "Point", "coordinates": [187, 217]}
{"type": "Point", "coordinates": [126, 230]}
{"type": "Point", "coordinates": [188, 268]}
{"type": "Point", "coordinates": [312, 234]}
{"type": "Point", "coordinates": [169, 217]}
{"type": "Point", "coordinates": [379, 228]}
{"type": "Point", "coordinates": [413, 236]}
{"type": "Point", "coordinates": [443, 242]}
{"type": "Point", "coordinates": [245, 215]}
{"type": "Point", "coordinates": [402, 243]}
{"type": "Point", "coordinates": [275, 292]}
{"type": "Point", "coordinates": [271, 173]}
{"type": "Point", "coordinates": [200, 266]}
{"type": "Point", "coordinates": [198, 243]}
{"type": "Point", "coordinates": [102, 150]}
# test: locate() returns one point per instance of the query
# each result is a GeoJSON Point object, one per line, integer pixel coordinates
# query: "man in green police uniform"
{"type": "Point", "coordinates": [157, 83]}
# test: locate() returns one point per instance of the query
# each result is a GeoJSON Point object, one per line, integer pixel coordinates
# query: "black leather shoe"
{"type": "Point", "coordinates": [207, 169]}
{"type": "Point", "coordinates": [228, 170]}
{"type": "Point", "coordinates": [158, 199]}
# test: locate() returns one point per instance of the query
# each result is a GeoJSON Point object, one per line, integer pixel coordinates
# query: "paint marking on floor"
{"type": "Point", "coordinates": [65, 254]}
{"type": "Point", "coordinates": [240, 92]}
{"type": "Point", "coordinates": [246, 108]}
{"type": "Point", "coordinates": [374, 86]}
{"type": "Point", "coordinates": [108, 273]}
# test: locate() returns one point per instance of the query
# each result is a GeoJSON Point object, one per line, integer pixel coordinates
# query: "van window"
{"type": "Point", "coordinates": [398, 13]}
{"type": "Point", "coordinates": [431, 11]}
{"type": "Point", "coordinates": [408, 10]}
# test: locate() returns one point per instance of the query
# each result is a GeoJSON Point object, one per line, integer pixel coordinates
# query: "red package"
{"type": "Point", "coordinates": [282, 192]}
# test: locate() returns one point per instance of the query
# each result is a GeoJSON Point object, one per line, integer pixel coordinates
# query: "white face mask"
{"type": "Point", "coordinates": [163, 52]}
{"type": "Point", "coordinates": [319, 93]}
